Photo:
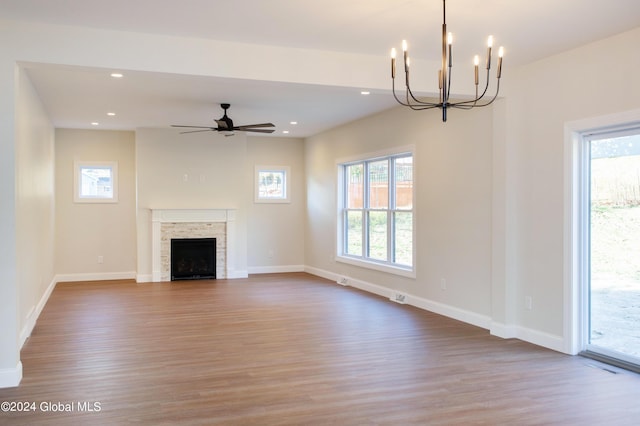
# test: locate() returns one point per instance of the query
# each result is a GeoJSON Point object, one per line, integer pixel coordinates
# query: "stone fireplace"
{"type": "Point", "coordinates": [168, 224]}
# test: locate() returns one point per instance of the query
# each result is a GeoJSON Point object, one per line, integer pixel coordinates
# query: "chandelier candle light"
{"type": "Point", "coordinates": [444, 76]}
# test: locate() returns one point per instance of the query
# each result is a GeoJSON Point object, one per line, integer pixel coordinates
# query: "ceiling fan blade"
{"type": "Point", "coordinates": [247, 126]}
{"type": "Point", "coordinates": [195, 127]}
{"type": "Point", "coordinates": [225, 126]}
{"type": "Point", "coordinates": [255, 130]}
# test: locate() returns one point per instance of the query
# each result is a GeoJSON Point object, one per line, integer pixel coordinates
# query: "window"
{"type": "Point", "coordinates": [272, 185]}
{"type": "Point", "coordinates": [95, 182]}
{"type": "Point", "coordinates": [376, 213]}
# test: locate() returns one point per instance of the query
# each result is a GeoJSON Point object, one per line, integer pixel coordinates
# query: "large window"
{"type": "Point", "coordinates": [376, 212]}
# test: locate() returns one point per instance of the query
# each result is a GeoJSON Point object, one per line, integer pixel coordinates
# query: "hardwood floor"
{"type": "Point", "coordinates": [292, 349]}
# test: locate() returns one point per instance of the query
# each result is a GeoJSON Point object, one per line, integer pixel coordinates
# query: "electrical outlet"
{"type": "Point", "coordinates": [343, 281]}
{"type": "Point", "coordinates": [528, 302]}
{"type": "Point", "coordinates": [100, 259]}
{"type": "Point", "coordinates": [443, 284]}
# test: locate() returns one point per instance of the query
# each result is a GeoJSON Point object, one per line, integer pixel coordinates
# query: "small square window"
{"type": "Point", "coordinates": [272, 184]}
{"type": "Point", "coordinates": [95, 182]}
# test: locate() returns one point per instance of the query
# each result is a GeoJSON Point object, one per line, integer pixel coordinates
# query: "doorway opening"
{"type": "Point", "coordinates": [612, 246]}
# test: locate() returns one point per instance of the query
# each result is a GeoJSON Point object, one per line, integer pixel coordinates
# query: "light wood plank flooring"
{"type": "Point", "coordinates": [293, 349]}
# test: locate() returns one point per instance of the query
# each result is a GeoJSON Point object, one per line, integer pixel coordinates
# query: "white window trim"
{"type": "Point", "coordinates": [78, 165]}
{"type": "Point", "coordinates": [408, 271]}
{"type": "Point", "coordinates": [287, 184]}
{"type": "Point", "coordinates": [575, 258]}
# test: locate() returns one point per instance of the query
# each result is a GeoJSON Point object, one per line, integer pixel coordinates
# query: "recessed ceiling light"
{"type": "Point", "coordinates": [293, 122]}
{"type": "Point", "coordinates": [95, 123]}
{"type": "Point", "coordinates": [116, 75]}
{"type": "Point", "coordinates": [111, 114]}
{"type": "Point", "coordinates": [365, 92]}
{"type": "Point", "coordinates": [285, 131]}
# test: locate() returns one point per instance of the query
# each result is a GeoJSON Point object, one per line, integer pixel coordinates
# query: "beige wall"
{"type": "Point", "coordinates": [275, 232]}
{"type": "Point", "coordinates": [192, 171]}
{"type": "Point", "coordinates": [492, 195]}
{"type": "Point", "coordinates": [85, 231]}
{"type": "Point", "coordinates": [542, 98]}
{"type": "Point", "coordinates": [453, 204]}
{"type": "Point", "coordinates": [211, 171]}
{"type": "Point", "coordinates": [10, 366]}
{"type": "Point", "coordinates": [521, 201]}
{"type": "Point", "coordinates": [34, 202]}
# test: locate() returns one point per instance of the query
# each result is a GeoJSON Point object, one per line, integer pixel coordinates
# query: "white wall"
{"type": "Point", "coordinates": [492, 198]}
{"type": "Point", "coordinates": [453, 177]}
{"type": "Point", "coordinates": [520, 201]}
{"type": "Point", "coordinates": [74, 46]}
{"type": "Point", "coordinates": [275, 232]}
{"type": "Point", "coordinates": [85, 231]}
{"type": "Point", "coordinates": [26, 217]}
{"type": "Point", "coordinates": [599, 79]}
{"type": "Point", "coordinates": [192, 171]}
{"type": "Point", "coordinates": [10, 366]}
{"type": "Point", "coordinates": [211, 171]}
{"type": "Point", "coordinates": [35, 205]}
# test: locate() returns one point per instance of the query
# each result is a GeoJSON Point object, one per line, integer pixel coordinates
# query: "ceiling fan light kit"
{"type": "Point", "coordinates": [444, 77]}
{"type": "Point", "coordinates": [226, 126]}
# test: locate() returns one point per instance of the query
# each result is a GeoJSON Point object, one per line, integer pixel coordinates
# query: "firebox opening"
{"type": "Point", "coordinates": [193, 259]}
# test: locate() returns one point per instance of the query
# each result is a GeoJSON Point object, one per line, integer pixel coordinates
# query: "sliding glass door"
{"type": "Point", "coordinates": [614, 245]}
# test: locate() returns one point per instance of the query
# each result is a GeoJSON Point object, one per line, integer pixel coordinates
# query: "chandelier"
{"type": "Point", "coordinates": [444, 76]}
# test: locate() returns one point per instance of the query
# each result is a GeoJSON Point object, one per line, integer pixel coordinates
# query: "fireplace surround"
{"type": "Point", "coordinates": [167, 224]}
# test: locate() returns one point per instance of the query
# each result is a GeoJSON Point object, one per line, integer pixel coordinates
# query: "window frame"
{"type": "Point", "coordinates": [364, 260]}
{"type": "Point", "coordinates": [286, 172]}
{"type": "Point", "coordinates": [78, 166]}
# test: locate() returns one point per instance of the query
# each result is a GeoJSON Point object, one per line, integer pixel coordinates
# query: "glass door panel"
{"type": "Point", "coordinates": [614, 276]}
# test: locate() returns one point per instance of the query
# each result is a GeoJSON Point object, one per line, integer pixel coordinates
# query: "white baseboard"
{"type": "Point", "coordinates": [144, 278]}
{"type": "Point", "coordinates": [321, 273]}
{"type": "Point", "coordinates": [549, 341]}
{"type": "Point", "coordinates": [234, 274]}
{"type": "Point", "coordinates": [504, 331]}
{"type": "Point", "coordinates": [33, 316]}
{"type": "Point", "coordinates": [275, 269]}
{"type": "Point", "coordinates": [11, 377]}
{"type": "Point", "coordinates": [482, 321]}
{"type": "Point", "coordinates": [366, 286]}
{"type": "Point", "coordinates": [539, 338]}
{"type": "Point", "coordinates": [428, 305]}
{"type": "Point", "coordinates": [104, 276]}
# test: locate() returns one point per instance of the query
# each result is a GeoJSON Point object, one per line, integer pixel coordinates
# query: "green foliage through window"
{"type": "Point", "coordinates": [377, 210]}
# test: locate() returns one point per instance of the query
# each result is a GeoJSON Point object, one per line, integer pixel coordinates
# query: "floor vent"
{"type": "Point", "coordinates": [399, 298]}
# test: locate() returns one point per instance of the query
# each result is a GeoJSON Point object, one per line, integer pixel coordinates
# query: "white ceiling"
{"type": "Point", "coordinates": [74, 96]}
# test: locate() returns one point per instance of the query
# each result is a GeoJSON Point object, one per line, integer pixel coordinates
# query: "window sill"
{"type": "Point", "coordinates": [395, 270]}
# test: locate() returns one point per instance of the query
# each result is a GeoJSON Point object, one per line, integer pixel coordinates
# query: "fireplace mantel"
{"type": "Point", "coordinates": [193, 216]}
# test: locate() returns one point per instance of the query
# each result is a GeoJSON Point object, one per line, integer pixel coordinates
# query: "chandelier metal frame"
{"type": "Point", "coordinates": [444, 76]}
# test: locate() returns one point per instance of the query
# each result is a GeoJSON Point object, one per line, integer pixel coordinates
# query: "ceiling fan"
{"type": "Point", "coordinates": [225, 125]}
